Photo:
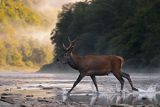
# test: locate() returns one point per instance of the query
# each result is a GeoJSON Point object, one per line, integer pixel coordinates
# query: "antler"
{"type": "Point", "coordinates": [75, 39]}
{"type": "Point", "coordinates": [71, 43]}
{"type": "Point", "coordinates": [72, 40]}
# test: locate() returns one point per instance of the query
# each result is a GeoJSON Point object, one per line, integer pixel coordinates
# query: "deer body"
{"type": "Point", "coordinates": [95, 65]}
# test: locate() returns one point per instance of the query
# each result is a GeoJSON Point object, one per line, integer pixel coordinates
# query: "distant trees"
{"type": "Point", "coordinates": [16, 49]}
{"type": "Point", "coordinates": [130, 28]}
{"type": "Point", "coordinates": [21, 52]}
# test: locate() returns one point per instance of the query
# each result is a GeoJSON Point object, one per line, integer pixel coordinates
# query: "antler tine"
{"type": "Point", "coordinates": [69, 40]}
{"type": "Point", "coordinates": [75, 39]}
{"type": "Point", "coordinates": [64, 46]}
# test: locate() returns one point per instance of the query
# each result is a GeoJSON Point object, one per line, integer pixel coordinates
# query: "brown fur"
{"type": "Point", "coordinates": [98, 65]}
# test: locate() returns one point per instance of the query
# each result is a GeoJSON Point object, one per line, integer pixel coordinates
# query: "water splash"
{"type": "Point", "coordinates": [151, 89]}
{"type": "Point", "coordinates": [94, 99]}
{"type": "Point", "coordinates": [64, 95]}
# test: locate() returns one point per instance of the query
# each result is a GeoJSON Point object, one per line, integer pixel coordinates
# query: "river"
{"type": "Point", "coordinates": [41, 84]}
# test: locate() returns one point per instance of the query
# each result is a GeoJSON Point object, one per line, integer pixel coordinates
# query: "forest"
{"type": "Point", "coordinates": [17, 49]}
{"type": "Point", "coordinates": [129, 28]}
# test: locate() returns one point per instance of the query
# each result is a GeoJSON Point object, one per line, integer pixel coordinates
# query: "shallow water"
{"type": "Point", "coordinates": [109, 87]}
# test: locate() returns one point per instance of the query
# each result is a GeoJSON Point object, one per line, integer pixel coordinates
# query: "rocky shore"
{"type": "Point", "coordinates": [48, 90]}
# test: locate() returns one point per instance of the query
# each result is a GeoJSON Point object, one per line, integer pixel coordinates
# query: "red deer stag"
{"type": "Point", "coordinates": [94, 65]}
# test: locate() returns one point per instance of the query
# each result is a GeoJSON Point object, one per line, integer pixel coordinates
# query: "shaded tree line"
{"type": "Point", "coordinates": [130, 28]}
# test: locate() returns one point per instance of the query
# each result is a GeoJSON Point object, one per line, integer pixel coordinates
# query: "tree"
{"type": "Point", "coordinates": [129, 28]}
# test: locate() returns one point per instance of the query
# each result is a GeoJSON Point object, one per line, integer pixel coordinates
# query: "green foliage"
{"type": "Point", "coordinates": [130, 28]}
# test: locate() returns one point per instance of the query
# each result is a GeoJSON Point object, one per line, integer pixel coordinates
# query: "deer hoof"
{"type": "Point", "coordinates": [68, 94]}
{"type": "Point", "coordinates": [134, 89]}
{"type": "Point", "coordinates": [97, 93]}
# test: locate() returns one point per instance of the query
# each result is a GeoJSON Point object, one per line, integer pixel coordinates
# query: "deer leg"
{"type": "Point", "coordinates": [75, 83]}
{"type": "Point", "coordinates": [121, 80]}
{"type": "Point", "coordinates": [94, 81]}
{"type": "Point", "coordinates": [127, 76]}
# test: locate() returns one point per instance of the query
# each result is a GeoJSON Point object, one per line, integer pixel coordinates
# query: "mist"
{"type": "Point", "coordinates": [48, 10]}
{"type": "Point", "coordinates": [25, 28]}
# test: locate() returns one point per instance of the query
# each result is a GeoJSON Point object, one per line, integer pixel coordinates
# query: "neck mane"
{"type": "Point", "coordinates": [73, 61]}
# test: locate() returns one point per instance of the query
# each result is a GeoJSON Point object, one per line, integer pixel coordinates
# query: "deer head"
{"type": "Point", "coordinates": [70, 47]}
{"type": "Point", "coordinates": [66, 56]}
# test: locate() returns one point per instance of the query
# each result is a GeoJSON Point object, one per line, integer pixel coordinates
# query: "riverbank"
{"type": "Point", "coordinates": [24, 69]}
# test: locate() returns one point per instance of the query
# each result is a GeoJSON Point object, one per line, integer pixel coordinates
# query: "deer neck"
{"type": "Point", "coordinates": [73, 61]}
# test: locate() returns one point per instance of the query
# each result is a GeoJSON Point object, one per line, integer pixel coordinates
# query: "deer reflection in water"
{"type": "Point", "coordinates": [107, 99]}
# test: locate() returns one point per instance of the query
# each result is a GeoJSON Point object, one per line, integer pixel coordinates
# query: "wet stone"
{"type": "Point", "coordinates": [23, 105]}
{"type": "Point", "coordinates": [6, 90]}
{"type": "Point", "coordinates": [121, 105]}
{"type": "Point", "coordinates": [42, 100]}
{"type": "Point", "coordinates": [6, 94]}
{"type": "Point", "coordinates": [29, 95]}
{"type": "Point", "coordinates": [48, 88]}
{"type": "Point", "coordinates": [11, 98]}
{"type": "Point", "coordinates": [18, 87]}
{"type": "Point", "coordinates": [150, 105]}
{"type": "Point", "coordinates": [5, 104]}
{"type": "Point", "coordinates": [84, 105]}
{"type": "Point", "coordinates": [40, 86]}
